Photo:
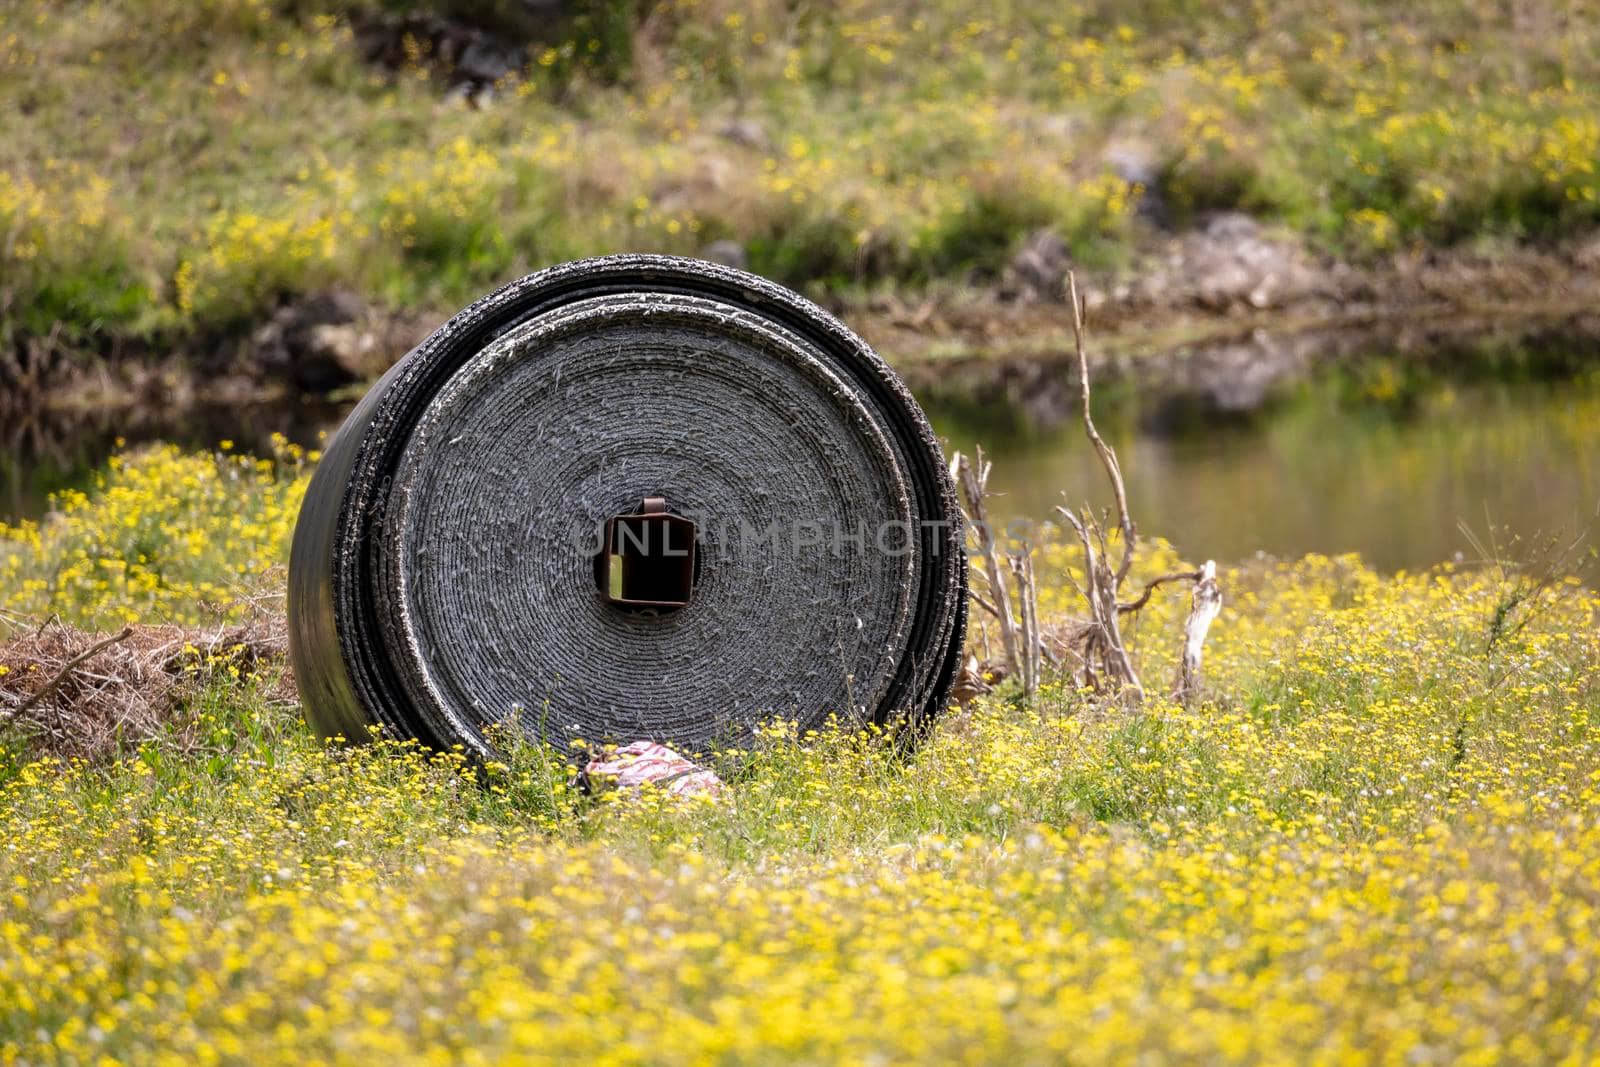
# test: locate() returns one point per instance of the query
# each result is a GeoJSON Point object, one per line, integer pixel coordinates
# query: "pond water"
{"type": "Point", "coordinates": [1323, 468]}
{"type": "Point", "coordinates": [1320, 472]}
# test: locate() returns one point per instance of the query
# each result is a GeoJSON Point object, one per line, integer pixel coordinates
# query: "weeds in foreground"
{"type": "Point", "coordinates": [1353, 850]}
{"type": "Point", "coordinates": [162, 536]}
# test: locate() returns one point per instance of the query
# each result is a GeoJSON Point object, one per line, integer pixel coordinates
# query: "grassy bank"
{"type": "Point", "coordinates": [1375, 842]}
{"type": "Point", "coordinates": [176, 169]}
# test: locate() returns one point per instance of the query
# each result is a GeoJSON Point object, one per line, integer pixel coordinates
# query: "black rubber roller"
{"type": "Point", "coordinates": [629, 498]}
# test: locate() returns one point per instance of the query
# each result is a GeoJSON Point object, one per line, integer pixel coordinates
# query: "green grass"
{"type": "Point", "coordinates": [174, 168]}
{"type": "Point", "coordinates": [1374, 841]}
{"type": "Point", "coordinates": [1324, 862]}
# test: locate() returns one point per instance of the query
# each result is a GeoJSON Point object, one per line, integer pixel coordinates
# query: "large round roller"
{"type": "Point", "coordinates": [627, 498]}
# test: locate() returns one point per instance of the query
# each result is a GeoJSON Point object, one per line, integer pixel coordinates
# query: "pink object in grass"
{"type": "Point", "coordinates": [631, 766]}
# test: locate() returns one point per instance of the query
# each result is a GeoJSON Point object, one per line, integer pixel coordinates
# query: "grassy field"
{"type": "Point", "coordinates": [174, 169]}
{"type": "Point", "coordinates": [1376, 842]}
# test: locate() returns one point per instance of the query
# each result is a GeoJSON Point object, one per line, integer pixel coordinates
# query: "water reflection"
{"type": "Point", "coordinates": [1320, 473]}
{"type": "Point", "coordinates": [1343, 464]}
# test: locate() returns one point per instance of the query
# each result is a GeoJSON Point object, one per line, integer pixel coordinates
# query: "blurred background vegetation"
{"type": "Point", "coordinates": [182, 166]}
{"type": "Point", "coordinates": [209, 204]}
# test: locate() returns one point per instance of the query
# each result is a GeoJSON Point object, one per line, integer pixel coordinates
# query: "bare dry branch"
{"type": "Point", "coordinates": [1030, 614]}
{"type": "Point", "coordinates": [55, 683]}
{"type": "Point", "coordinates": [974, 482]}
{"type": "Point", "coordinates": [1108, 458]}
{"type": "Point", "coordinates": [1095, 646]}
{"type": "Point", "coordinates": [1204, 606]}
{"type": "Point", "coordinates": [75, 693]}
{"type": "Point", "coordinates": [1021, 571]}
{"type": "Point", "coordinates": [1103, 637]}
{"type": "Point", "coordinates": [978, 599]}
{"type": "Point", "coordinates": [1153, 584]}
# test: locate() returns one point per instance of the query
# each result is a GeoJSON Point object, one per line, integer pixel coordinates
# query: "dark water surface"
{"type": "Point", "coordinates": [1323, 469]}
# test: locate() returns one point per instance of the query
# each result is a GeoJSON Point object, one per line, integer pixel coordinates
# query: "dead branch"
{"type": "Point", "coordinates": [1012, 587]}
{"type": "Point", "coordinates": [1027, 597]}
{"type": "Point", "coordinates": [974, 482]}
{"type": "Point", "coordinates": [1204, 606]}
{"type": "Point", "coordinates": [55, 683]}
{"type": "Point", "coordinates": [1103, 654]}
{"type": "Point", "coordinates": [972, 681]}
{"type": "Point", "coordinates": [1153, 584]}
{"type": "Point", "coordinates": [1030, 614]}
{"type": "Point", "coordinates": [1108, 457]}
{"type": "Point", "coordinates": [978, 599]}
{"type": "Point", "coordinates": [1096, 646]}
{"type": "Point", "coordinates": [1102, 638]}
{"type": "Point", "coordinates": [72, 693]}
{"type": "Point", "coordinates": [1100, 646]}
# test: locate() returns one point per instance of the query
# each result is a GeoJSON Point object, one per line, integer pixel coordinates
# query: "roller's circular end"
{"type": "Point", "coordinates": [634, 497]}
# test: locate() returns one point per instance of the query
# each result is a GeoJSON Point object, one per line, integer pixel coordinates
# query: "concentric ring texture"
{"type": "Point", "coordinates": [442, 578]}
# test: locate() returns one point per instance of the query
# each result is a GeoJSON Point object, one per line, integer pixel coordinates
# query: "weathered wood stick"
{"type": "Point", "coordinates": [1150, 587]}
{"type": "Point", "coordinates": [1204, 606]}
{"type": "Point", "coordinates": [974, 481]}
{"type": "Point", "coordinates": [1108, 458]}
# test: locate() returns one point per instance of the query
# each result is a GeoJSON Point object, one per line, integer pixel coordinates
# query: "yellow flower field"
{"type": "Point", "coordinates": [1376, 842]}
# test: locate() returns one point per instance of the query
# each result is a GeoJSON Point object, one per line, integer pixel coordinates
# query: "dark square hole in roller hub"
{"type": "Point", "coordinates": [649, 562]}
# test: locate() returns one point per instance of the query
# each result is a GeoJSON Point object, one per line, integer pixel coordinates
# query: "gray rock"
{"type": "Point", "coordinates": [487, 59]}
{"type": "Point", "coordinates": [315, 342]}
{"type": "Point", "coordinates": [1038, 271]}
{"type": "Point", "coordinates": [1587, 252]}
{"type": "Point", "coordinates": [1231, 264]}
{"type": "Point", "coordinates": [1232, 226]}
{"type": "Point", "coordinates": [347, 346]}
{"type": "Point", "coordinates": [463, 53]}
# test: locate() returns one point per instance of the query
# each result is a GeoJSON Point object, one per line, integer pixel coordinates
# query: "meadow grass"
{"type": "Point", "coordinates": [177, 168]}
{"type": "Point", "coordinates": [1376, 841]}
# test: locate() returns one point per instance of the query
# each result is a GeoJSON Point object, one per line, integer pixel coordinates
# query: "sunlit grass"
{"type": "Point", "coordinates": [159, 536]}
{"type": "Point", "coordinates": [1376, 841]}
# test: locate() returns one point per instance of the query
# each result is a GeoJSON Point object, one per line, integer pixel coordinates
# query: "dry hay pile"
{"type": "Point", "coordinates": [75, 693]}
